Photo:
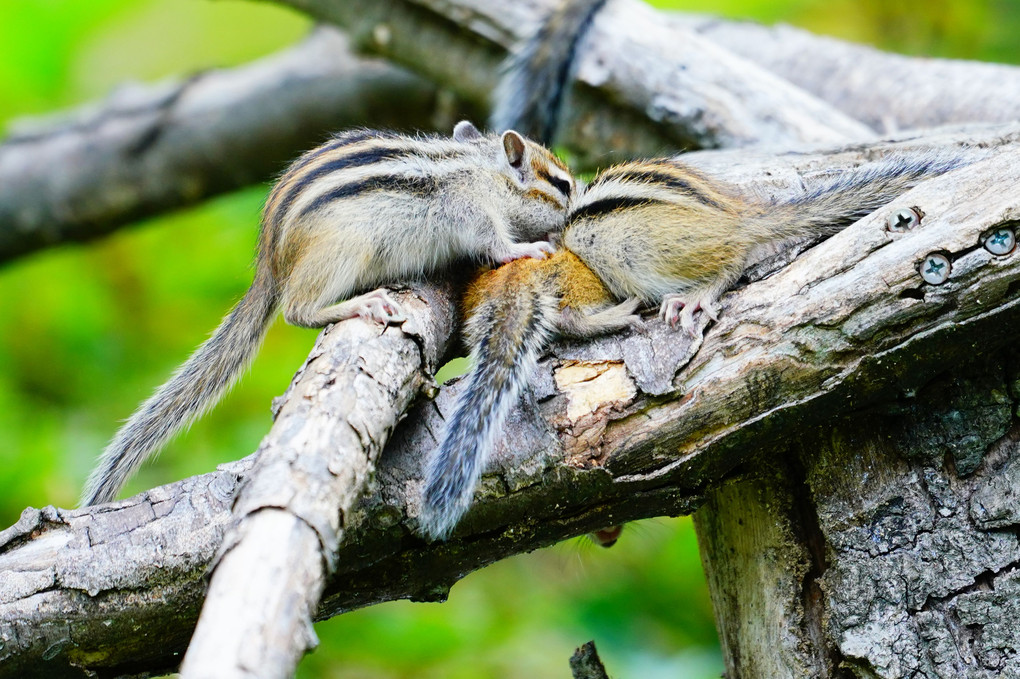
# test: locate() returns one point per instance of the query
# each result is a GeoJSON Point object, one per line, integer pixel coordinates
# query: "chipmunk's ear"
{"type": "Point", "coordinates": [513, 146]}
{"type": "Point", "coordinates": [466, 131]}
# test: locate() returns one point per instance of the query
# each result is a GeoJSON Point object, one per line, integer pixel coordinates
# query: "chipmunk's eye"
{"type": "Point", "coordinates": [562, 185]}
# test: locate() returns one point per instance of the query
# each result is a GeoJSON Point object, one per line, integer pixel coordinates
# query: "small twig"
{"type": "Point", "coordinates": [586, 664]}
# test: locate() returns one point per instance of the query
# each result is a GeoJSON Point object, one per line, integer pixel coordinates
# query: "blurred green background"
{"type": "Point", "coordinates": [87, 331]}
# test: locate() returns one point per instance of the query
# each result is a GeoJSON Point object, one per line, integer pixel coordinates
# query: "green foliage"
{"type": "Point", "coordinates": [644, 602]}
{"type": "Point", "coordinates": [86, 332]}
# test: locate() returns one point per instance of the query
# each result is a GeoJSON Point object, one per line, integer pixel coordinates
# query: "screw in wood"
{"type": "Point", "coordinates": [1001, 241]}
{"type": "Point", "coordinates": [903, 220]}
{"type": "Point", "coordinates": [935, 269]}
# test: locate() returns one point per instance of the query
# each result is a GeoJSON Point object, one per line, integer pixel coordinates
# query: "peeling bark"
{"type": "Point", "coordinates": [847, 428]}
{"type": "Point", "coordinates": [309, 472]}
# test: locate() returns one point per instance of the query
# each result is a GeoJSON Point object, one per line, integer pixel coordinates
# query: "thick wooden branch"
{"type": "Point", "coordinates": [883, 543]}
{"type": "Point", "coordinates": [149, 149]}
{"type": "Point", "coordinates": [887, 92]}
{"type": "Point", "coordinates": [668, 84]}
{"type": "Point", "coordinates": [309, 472]}
{"type": "Point", "coordinates": [153, 148]}
{"type": "Point", "coordinates": [624, 428]}
{"type": "Point", "coordinates": [648, 79]}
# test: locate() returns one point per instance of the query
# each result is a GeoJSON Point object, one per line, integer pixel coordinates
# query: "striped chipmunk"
{"type": "Point", "coordinates": [645, 232]}
{"type": "Point", "coordinates": [365, 209]}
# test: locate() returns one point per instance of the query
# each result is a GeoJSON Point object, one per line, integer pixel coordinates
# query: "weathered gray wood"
{"type": "Point", "coordinates": [310, 470]}
{"type": "Point", "coordinates": [666, 82]}
{"type": "Point", "coordinates": [626, 427]}
{"type": "Point", "coordinates": [154, 148]}
{"type": "Point", "coordinates": [83, 174]}
{"type": "Point", "coordinates": [757, 565]}
{"type": "Point", "coordinates": [887, 92]}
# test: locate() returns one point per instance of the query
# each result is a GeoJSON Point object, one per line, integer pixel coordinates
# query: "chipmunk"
{"type": "Point", "coordinates": [655, 232]}
{"type": "Point", "coordinates": [365, 209]}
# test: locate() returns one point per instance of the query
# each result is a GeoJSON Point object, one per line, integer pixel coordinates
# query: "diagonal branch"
{"type": "Point", "coordinates": [309, 472]}
{"type": "Point", "coordinates": [154, 148]}
{"type": "Point", "coordinates": [623, 428]}
{"type": "Point", "coordinates": [887, 92]}
{"type": "Point", "coordinates": [666, 82]}
{"type": "Point", "coordinates": [150, 149]}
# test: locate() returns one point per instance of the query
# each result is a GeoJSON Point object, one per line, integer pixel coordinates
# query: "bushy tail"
{"type": "Point", "coordinates": [507, 332]}
{"type": "Point", "coordinates": [838, 202]}
{"type": "Point", "coordinates": [193, 389]}
{"type": "Point", "coordinates": [537, 75]}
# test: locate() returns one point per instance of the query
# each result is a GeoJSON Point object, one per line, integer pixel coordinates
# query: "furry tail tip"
{"type": "Point", "coordinates": [450, 478]}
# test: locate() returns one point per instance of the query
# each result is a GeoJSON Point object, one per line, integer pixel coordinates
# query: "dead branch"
{"type": "Point", "coordinates": [149, 149]}
{"type": "Point", "coordinates": [620, 429]}
{"type": "Point", "coordinates": [664, 83]}
{"type": "Point", "coordinates": [311, 469]}
{"type": "Point", "coordinates": [887, 92]}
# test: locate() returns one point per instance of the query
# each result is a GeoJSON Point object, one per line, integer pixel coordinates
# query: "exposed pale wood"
{"type": "Point", "coordinates": [149, 149]}
{"type": "Point", "coordinates": [756, 562]}
{"type": "Point", "coordinates": [834, 332]}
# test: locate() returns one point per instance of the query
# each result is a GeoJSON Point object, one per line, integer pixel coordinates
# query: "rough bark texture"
{"type": "Point", "coordinates": [623, 428]}
{"type": "Point", "coordinates": [650, 80]}
{"type": "Point", "coordinates": [586, 664]}
{"type": "Point", "coordinates": [665, 83]}
{"type": "Point", "coordinates": [150, 149]}
{"type": "Point", "coordinates": [311, 469]}
{"type": "Point", "coordinates": [883, 545]}
{"type": "Point", "coordinates": [847, 428]}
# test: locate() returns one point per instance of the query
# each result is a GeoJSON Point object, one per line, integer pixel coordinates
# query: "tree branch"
{"type": "Point", "coordinates": [648, 79]}
{"type": "Point", "coordinates": [624, 428]}
{"type": "Point", "coordinates": [667, 84]}
{"type": "Point", "coordinates": [586, 664]}
{"type": "Point", "coordinates": [150, 149]}
{"type": "Point", "coordinates": [887, 92]}
{"type": "Point", "coordinates": [310, 470]}
{"type": "Point", "coordinates": [153, 148]}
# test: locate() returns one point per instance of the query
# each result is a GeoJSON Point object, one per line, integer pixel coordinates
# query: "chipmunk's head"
{"type": "Point", "coordinates": [541, 185]}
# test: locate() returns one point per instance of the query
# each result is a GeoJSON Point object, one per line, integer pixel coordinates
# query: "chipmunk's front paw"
{"type": "Point", "coordinates": [537, 250]}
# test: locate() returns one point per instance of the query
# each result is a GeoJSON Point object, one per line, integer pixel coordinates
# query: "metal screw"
{"type": "Point", "coordinates": [1001, 241]}
{"type": "Point", "coordinates": [935, 269]}
{"type": "Point", "coordinates": [903, 220]}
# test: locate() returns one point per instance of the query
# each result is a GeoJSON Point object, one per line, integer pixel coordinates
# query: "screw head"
{"type": "Point", "coordinates": [1001, 241]}
{"type": "Point", "coordinates": [903, 220]}
{"type": "Point", "coordinates": [935, 269]}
